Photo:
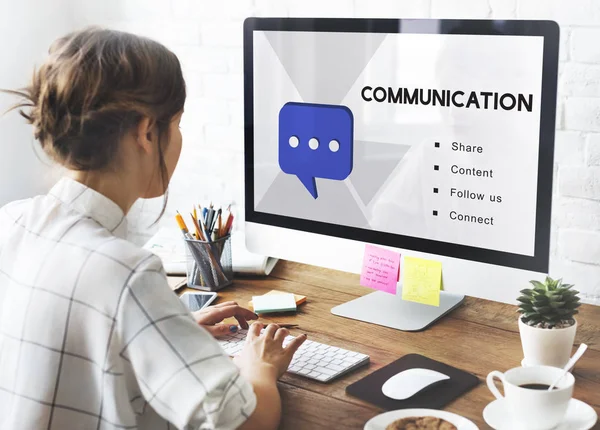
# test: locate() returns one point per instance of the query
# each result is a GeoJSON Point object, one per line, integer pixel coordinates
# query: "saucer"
{"type": "Point", "coordinates": [579, 416]}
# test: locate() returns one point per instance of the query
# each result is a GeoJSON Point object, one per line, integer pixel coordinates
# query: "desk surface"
{"type": "Point", "coordinates": [479, 337]}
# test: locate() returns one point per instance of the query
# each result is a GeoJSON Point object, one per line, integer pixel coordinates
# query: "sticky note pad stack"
{"type": "Point", "coordinates": [270, 303]}
{"type": "Point", "coordinates": [299, 298]}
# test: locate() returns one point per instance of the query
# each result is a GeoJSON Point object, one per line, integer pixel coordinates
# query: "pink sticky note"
{"type": "Point", "coordinates": [380, 269]}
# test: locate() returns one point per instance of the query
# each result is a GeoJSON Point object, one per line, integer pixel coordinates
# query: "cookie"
{"type": "Point", "coordinates": [421, 423]}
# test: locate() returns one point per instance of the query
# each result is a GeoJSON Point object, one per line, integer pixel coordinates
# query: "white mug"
{"type": "Point", "coordinates": [533, 409]}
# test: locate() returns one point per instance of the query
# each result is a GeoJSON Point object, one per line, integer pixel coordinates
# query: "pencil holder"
{"type": "Point", "coordinates": [209, 265]}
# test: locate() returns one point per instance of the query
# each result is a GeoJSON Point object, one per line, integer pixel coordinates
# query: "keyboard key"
{"type": "Point", "coordinates": [325, 371]}
{"type": "Point", "coordinates": [335, 367]}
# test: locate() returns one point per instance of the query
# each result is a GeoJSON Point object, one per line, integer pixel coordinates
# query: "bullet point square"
{"type": "Point", "coordinates": [437, 144]}
{"type": "Point", "coordinates": [435, 190]}
{"type": "Point", "coordinates": [436, 167]}
{"type": "Point", "coordinates": [434, 213]}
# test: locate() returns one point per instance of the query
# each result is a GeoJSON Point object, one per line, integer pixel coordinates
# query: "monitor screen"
{"type": "Point", "coordinates": [429, 135]}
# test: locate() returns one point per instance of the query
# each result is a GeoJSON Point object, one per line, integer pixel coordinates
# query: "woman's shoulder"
{"type": "Point", "coordinates": [131, 256]}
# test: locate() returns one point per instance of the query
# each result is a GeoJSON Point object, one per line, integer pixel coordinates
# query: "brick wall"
{"type": "Point", "coordinates": [207, 36]}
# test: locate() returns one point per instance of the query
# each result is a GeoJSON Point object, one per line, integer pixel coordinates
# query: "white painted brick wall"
{"type": "Point", "coordinates": [580, 246]}
{"type": "Point", "coordinates": [582, 113]}
{"type": "Point", "coordinates": [584, 45]}
{"type": "Point", "coordinates": [580, 182]}
{"type": "Point", "coordinates": [593, 150]}
{"type": "Point", "coordinates": [460, 9]}
{"type": "Point", "coordinates": [570, 147]}
{"type": "Point", "coordinates": [207, 37]}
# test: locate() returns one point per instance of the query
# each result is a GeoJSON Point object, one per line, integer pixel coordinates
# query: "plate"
{"type": "Point", "coordinates": [579, 416]}
{"type": "Point", "coordinates": [381, 421]}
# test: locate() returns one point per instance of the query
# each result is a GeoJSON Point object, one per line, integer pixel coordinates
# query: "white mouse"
{"type": "Point", "coordinates": [409, 382]}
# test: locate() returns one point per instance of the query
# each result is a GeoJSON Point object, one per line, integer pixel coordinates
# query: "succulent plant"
{"type": "Point", "coordinates": [551, 304]}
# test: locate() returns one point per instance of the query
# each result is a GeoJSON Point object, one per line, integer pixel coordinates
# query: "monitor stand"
{"type": "Point", "coordinates": [391, 311]}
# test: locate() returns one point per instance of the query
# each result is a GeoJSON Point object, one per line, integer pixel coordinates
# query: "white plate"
{"type": "Point", "coordinates": [381, 421]}
{"type": "Point", "coordinates": [579, 416]}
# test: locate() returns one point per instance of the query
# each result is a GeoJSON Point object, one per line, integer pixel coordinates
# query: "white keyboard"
{"type": "Point", "coordinates": [313, 360]}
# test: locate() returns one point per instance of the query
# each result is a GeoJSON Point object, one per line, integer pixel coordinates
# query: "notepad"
{"type": "Point", "coordinates": [380, 269]}
{"type": "Point", "coordinates": [270, 303]}
{"type": "Point", "coordinates": [299, 298]}
{"type": "Point", "coordinates": [422, 281]}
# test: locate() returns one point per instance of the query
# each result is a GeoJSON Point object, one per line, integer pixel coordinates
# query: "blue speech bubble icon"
{"type": "Point", "coordinates": [316, 141]}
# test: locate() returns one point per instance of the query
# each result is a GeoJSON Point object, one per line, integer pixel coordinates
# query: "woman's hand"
{"type": "Point", "coordinates": [264, 356]}
{"type": "Point", "coordinates": [210, 318]}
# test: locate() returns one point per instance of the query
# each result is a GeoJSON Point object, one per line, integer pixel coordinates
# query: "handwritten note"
{"type": "Point", "coordinates": [422, 280]}
{"type": "Point", "coordinates": [380, 269]}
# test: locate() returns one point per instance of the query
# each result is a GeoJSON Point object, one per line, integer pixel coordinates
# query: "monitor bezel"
{"type": "Point", "coordinates": [549, 30]}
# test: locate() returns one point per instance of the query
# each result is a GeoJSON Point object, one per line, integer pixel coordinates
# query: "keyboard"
{"type": "Point", "coordinates": [313, 360]}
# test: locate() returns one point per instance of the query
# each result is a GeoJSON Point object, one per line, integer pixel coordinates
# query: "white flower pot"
{"type": "Point", "coordinates": [546, 347]}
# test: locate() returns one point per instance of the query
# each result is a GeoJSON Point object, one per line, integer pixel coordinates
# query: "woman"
{"type": "Point", "coordinates": [91, 336]}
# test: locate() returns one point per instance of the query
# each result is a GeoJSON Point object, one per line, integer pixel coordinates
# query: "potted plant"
{"type": "Point", "coordinates": [547, 324]}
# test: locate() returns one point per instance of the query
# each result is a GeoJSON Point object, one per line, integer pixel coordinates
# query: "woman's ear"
{"type": "Point", "coordinates": [145, 134]}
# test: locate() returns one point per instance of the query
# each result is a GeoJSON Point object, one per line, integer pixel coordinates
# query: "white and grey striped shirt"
{"type": "Point", "coordinates": [91, 336]}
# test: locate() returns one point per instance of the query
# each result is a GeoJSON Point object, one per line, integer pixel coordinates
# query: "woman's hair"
{"type": "Point", "coordinates": [95, 86]}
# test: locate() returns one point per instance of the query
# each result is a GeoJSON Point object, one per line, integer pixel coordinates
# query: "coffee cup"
{"type": "Point", "coordinates": [527, 399]}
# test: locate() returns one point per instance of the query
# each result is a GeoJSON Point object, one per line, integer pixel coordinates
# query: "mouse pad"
{"type": "Point", "coordinates": [433, 397]}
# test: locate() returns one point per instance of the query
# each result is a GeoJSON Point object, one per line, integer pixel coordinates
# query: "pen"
{"type": "Point", "coordinates": [281, 325]}
{"type": "Point", "coordinates": [209, 217]}
{"type": "Point", "coordinates": [205, 230]}
{"type": "Point", "coordinates": [217, 222]}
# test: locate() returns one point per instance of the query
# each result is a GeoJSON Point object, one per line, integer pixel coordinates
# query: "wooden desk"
{"type": "Point", "coordinates": [479, 337]}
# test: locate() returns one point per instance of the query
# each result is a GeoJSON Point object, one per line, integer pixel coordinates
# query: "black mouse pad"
{"type": "Point", "coordinates": [434, 397]}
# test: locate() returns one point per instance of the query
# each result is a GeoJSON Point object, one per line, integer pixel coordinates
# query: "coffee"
{"type": "Point", "coordinates": [536, 386]}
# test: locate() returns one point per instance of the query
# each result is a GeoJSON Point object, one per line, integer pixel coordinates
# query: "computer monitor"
{"type": "Point", "coordinates": [433, 138]}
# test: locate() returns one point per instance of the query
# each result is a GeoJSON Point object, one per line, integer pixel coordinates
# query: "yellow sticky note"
{"type": "Point", "coordinates": [422, 280]}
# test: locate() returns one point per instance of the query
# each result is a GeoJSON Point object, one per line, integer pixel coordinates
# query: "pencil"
{"type": "Point", "coordinates": [219, 224]}
{"type": "Point", "coordinates": [182, 226]}
{"type": "Point", "coordinates": [197, 227]}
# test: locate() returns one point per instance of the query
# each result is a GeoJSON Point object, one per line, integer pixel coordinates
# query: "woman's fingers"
{"type": "Point", "coordinates": [220, 330]}
{"type": "Point", "coordinates": [254, 330]}
{"type": "Point", "coordinates": [294, 344]}
{"type": "Point", "coordinates": [219, 314]}
{"type": "Point", "coordinates": [271, 330]}
{"type": "Point", "coordinates": [280, 335]}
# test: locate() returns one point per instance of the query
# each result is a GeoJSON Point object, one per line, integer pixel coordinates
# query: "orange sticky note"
{"type": "Point", "coordinates": [380, 269]}
{"type": "Point", "coordinates": [299, 299]}
{"type": "Point", "coordinates": [422, 281]}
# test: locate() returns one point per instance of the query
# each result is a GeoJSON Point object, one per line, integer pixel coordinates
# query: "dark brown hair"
{"type": "Point", "coordinates": [95, 86]}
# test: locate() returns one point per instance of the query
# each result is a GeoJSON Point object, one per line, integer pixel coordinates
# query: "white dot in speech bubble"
{"type": "Point", "coordinates": [313, 143]}
{"type": "Point", "coordinates": [294, 141]}
{"type": "Point", "coordinates": [334, 146]}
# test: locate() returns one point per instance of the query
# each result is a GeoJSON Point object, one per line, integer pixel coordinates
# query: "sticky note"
{"type": "Point", "coordinates": [274, 303]}
{"type": "Point", "coordinates": [380, 269]}
{"type": "Point", "coordinates": [422, 280]}
{"type": "Point", "coordinates": [299, 298]}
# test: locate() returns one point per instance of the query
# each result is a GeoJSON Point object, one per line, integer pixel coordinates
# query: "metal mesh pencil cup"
{"type": "Point", "coordinates": [208, 264]}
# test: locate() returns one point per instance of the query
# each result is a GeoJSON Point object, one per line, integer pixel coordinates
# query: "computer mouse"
{"type": "Point", "coordinates": [409, 382]}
